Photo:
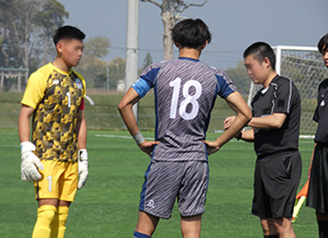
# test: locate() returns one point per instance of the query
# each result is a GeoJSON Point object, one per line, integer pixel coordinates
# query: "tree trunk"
{"type": "Point", "coordinates": [7, 59]}
{"type": "Point", "coordinates": [168, 23]}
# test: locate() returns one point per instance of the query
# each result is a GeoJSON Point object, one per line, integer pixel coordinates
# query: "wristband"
{"type": "Point", "coordinates": [83, 154]}
{"type": "Point", "coordinates": [139, 138]}
{"type": "Point", "coordinates": [27, 146]}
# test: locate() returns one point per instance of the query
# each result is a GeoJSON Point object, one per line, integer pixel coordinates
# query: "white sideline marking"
{"type": "Point", "coordinates": [307, 136]}
{"type": "Point", "coordinates": [150, 138]}
{"type": "Point", "coordinates": [124, 137]}
{"type": "Point", "coordinates": [301, 136]}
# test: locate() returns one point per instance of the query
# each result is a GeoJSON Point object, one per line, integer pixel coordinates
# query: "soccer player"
{"type": "Point", "coordinates": [57, 154]}
{"type": "Point", "coordinates": [185, 92]}
{"type": "Point", "coordinates": [275, 126]}
{"type": "Point", "coordinates": [318, 171]}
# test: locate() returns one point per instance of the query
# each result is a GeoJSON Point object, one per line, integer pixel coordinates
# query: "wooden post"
{"type": "Point", "coordinates": [2, 81]}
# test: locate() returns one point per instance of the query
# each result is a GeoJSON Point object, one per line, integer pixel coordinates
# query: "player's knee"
{"type": "Point", "coordinates": [268, 227]}
{"type": "Point", "coordinates": [46, 214]}
{"type": "Point", "coordinates": [265, 226]}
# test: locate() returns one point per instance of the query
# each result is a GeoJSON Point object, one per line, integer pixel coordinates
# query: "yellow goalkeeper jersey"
{"type": "Point", "coordinates": [56, 97]}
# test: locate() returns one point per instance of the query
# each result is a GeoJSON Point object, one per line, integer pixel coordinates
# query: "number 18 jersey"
{"type": "Point", "coordinates": [185, 91]}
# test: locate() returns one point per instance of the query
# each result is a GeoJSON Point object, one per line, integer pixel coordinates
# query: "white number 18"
{"type": "Point", "coordinates": [189, 99]}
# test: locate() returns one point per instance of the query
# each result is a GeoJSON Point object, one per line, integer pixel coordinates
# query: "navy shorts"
{"type": "Point", "coordinates": [165, 182]}
{"type": "Point", "coordinates": [276, 181]}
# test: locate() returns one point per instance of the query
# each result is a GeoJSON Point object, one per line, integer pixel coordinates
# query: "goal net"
{"type": "Point", "coordinates": [305, 67]}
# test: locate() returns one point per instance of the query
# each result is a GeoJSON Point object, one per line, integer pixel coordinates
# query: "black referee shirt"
{"type": "Point", "coordinates": [321, 113]}
{"type": "Point", "coordinates": [280, 97]}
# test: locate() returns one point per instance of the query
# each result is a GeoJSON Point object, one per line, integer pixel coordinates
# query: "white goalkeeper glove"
{"type": "Point", "coordinates": [30, 163]}
{"type": "Point", "coordinates": [83, 167]}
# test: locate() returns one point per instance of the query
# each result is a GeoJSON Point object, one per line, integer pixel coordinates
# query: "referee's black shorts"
{"type": "Point", "coordinates": [317, 197]}
{"type": "Point", "coordinates": [276, 181]}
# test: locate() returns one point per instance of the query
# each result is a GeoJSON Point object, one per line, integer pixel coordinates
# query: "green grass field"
{"type": "Point", "coordinates": [108, 205]}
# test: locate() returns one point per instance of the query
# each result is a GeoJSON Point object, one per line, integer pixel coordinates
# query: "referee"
{"type": "Point", "coordinates": [318, 171]}
{"type": "Point", "coordinates": [275, 131]}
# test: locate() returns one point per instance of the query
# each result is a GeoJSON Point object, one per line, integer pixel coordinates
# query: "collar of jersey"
{"type": "Point", "coordinates": [59, 70]}
{"type": "Point", "coordinates": [264, 90]}
{"type": "Point", "coordinates": [186, 58]}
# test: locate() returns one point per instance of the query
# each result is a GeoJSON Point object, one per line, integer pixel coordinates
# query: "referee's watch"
{"type": "Point", "coordinates": [239, 136]}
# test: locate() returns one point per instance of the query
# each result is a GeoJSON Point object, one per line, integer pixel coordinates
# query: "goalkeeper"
{"type": "Point", "coordinates": [57, 154]}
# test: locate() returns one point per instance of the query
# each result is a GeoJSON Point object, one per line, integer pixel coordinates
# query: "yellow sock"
{"type": "Point", "coordinates": [46, 213]}
{"type": "Point", "coordinates": [58, 225]}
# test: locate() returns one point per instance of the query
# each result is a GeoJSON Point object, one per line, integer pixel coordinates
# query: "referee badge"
{"type": "Point", "coordinates": [78, 83]}
{"type": "Point", "coordinates": [322, 103]}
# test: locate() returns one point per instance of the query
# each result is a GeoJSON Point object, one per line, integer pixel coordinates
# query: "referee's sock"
{"type": "Point", "coordinates": [272, 236]}
{"type": "Point", "coordinates": [140, 235]}
{"type": "Point", "coordinates": [323, 229]}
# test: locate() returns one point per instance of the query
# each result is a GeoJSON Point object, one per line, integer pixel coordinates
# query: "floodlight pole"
{"type": "Point", "coordinates": [132, 43]}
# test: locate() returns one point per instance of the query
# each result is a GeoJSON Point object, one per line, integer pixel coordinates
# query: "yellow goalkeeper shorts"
{"type": "Point", "coordinates": [59, 180]}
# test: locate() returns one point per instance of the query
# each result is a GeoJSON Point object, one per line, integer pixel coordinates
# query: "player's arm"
{"type": "Point", "coordinates": [130, 98]}
{"type": "Point", "coordinates": [30, 162]}
{"type": "Point", "coordinates": [238, 104]}
{"type": "Point", "coordinates": [273, 121]}
{"type": "Point", "coordinates": [125, 107]}
{"type": "Point", "coordinates": [82, 131]}
{"type": "Point", "coordinates": [247, 135]}
{"type": "Point", "coordinates": [24, 123]}
{"type": "Point", "coordinates": [278, 116]}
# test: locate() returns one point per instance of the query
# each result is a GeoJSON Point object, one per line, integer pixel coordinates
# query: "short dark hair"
{"type": "Point", "coordinates": [260, 50]}
{"type": "Point", "coordinates": [323, 44]}
{"type": "Point", "coordinates": [191, 33]}
{"type": "Point", "coordinates": [68, 32]}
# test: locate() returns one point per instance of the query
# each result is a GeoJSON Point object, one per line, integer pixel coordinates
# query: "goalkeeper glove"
{"type": "Point", "coordinates": [83, 167]}
{"type": "Point", "coordinates": [30, 163]}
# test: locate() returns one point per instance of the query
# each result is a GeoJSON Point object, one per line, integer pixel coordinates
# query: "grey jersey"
{"type": "Point", "coordinates": [185, 91]}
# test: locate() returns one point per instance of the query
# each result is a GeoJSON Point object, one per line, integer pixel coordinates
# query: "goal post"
{"type": "Point", "coordinates": [304, 66]}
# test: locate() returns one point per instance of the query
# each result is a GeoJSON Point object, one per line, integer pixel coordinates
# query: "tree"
{"type": "Point", "coordinates": [116, 71]}
{"type": "Point", "coordinates": [49, 19]}
{"type": "Point", "coordinates": [97, 47]}
{"type": "Point", "coordinates": [147, 61]}
{"type": "Point", "coordinates": [240, 78]}
{"type": "Point", "coordinates": [92, 67]}
{"type": "Point", "coordinates": [170, 12]}
{"type": "Point", "coordinates": [24, 24]}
